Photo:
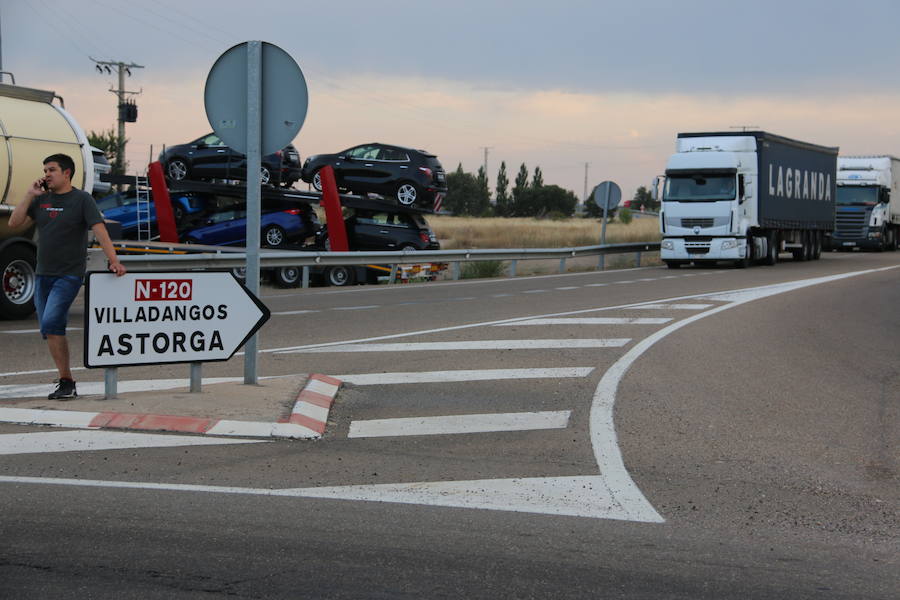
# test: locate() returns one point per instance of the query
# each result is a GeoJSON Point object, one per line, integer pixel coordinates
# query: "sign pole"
{"type": "Point", "coordinates": [254, 200]}
{"type": "Point", "coordinates": [603, 229]}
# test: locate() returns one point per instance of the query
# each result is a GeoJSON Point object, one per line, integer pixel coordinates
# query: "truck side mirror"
{"type": "Point", "coordinates": [741, 191]}
{"type": "Point", "coordinates": [654, 189]}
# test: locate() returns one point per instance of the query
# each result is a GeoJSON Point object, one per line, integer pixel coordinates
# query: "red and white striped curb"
{"type": "Point", "coordinates": [303, 423]}
{"type": "Point", "coordinates": [313, 403]}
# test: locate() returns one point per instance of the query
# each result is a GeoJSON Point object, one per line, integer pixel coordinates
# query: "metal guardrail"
{"type": "Point", "coordinates": [227, 258]}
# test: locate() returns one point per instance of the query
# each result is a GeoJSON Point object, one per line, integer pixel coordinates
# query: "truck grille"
{"type": "Point", "coordinates": [850, 224]}
{"type": "Point", "coordinates": [691, 223]}
{"type": "Point", "coordinates": [697, 247]}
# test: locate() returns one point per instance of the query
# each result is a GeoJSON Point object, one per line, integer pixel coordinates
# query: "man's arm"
{"type": "Point", "coordinates": [19, 215]}
{"type": "Point", "coordinates": [102, 236]}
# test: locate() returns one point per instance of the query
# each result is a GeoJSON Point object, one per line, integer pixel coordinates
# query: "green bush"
{"type": "Point", "coordinates": [482, 269]}
{"type": "Point", "coordinates": [625, 215]}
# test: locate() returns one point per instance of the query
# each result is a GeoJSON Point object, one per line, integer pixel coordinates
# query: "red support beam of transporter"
{"type": "Point", "coordinates": [337, 232]}
{"type": "Point", "coordinates": [165, 216]}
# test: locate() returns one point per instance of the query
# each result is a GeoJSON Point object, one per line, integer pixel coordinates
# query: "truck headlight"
{"type": "Point", "coordinates": [729, 244]}
{"type": "Point", "coordinates": [667, 245]}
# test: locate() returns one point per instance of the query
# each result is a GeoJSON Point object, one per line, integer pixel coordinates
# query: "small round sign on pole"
{"type": "Point", "coordinates": [284, 98]}
{"type": "Point", "coordinates": [607, 196]}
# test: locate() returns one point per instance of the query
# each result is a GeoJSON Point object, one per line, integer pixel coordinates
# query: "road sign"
{"type": "Point", "coordinates": [284, 98]}
{"type": "Point", "coordinates": [155, 318]}
{"type": "Point", "coordinates": [607, 195]}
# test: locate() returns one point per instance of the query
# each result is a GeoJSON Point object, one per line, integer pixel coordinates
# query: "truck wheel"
{"type": "Point", "coordinates": [340, 276]}
{"type": "Point", "coordinates": [17, 268]}
{"type": "Point", "coordinates": [288, 277]}
{"type": "Point", "coordinates": [745, 262]}
{"type": "Point", "coordinates": [771, 257]}
{"type": "Point", "coordinates": [673, 264]}
{"type": "Point", "coordinates": [800, 253]}
{"type": "Point", "coordinates": [817, 245]}
{"type": "Point", "coordinates": [892, 239]}
{"type": "Point", "coordinates": [883, 244]}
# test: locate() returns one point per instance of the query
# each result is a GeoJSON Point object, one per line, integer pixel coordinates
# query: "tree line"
{"type": "Point", "coordinates": [529, 196]}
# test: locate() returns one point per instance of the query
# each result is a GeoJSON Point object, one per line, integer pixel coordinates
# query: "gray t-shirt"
{"type": "Point", "coordinates": [63, 221]}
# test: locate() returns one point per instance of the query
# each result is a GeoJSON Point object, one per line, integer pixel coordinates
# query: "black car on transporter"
{"type": "Point", "coordinates": [208, 157]}
{"type": "Point", "coordinates": [406, 175]}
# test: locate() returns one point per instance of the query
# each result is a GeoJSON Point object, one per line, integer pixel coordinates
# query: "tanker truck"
{"type": "Point", "coordinates": [32, 127]}
{"type": "Point", "coordinates": [868, 209]}
{"type": "Point", "coordinates": [746, 197]}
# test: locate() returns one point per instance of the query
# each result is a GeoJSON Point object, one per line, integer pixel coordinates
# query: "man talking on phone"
{"type": "Point", "coordinates": [63, 215]}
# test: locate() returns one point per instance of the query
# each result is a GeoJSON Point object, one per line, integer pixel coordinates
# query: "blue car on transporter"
{"type": "Point", "coordinates": [123, 207]}
{"type": "Point", "coordinates": [278, 227]}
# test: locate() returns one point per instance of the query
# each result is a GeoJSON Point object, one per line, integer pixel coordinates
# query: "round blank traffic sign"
{"type": "Point", "coordinates": [607, 195]}
{"type": "Point", "coordinates": [284, 98]}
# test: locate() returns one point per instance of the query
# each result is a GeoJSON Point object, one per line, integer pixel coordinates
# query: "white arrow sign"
{"type": "Point", "coordinates": [153, 318]}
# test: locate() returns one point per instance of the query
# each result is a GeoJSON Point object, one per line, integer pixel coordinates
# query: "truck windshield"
{"type": "Point", "coordinates": [853, 194]}
{"type": "Point", "coordinates": [682, 188]}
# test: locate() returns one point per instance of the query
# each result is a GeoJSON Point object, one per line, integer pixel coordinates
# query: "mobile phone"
{"type": "Point", "coordinates": [44, 185]}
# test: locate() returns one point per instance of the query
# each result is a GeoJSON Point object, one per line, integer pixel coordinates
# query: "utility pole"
{"type": "Point", "coordinates": [127, 111]}
{"type": "Point", "coordinates": [584, 201]}
{"type": "Point", "coordinates": [486, 148]}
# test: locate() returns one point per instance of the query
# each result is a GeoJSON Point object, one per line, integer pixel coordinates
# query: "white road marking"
{"type": "Point", "coordinates": [92, 388]}
{"type": "Point", "coordinates": [459, 424]}
{"type": "Point", "coordinates": [17, 331]}
{"type": "Point", "coordinates": [590, 321]}
{"type": "Point", "coordinates": [294, 312]}
{"type": "Point", "coordinates": [463, 375]}
{"type": "Point", "coordinates": [580, 496]}
{"type": "Point", "coordinates": [534, 291]}
{"type": "Point", "coordinates": [569, 287]}
{"type": "Point", "coordinates": [673, 306]}
{"type": "Point", "coordinates": [79, 441]}
{"type": "Point", "coordinates": [355, 307]}
{"type": "Point", "coordinates": [603, 431]}
{"type": "Point", "coordinates": [500, 295]}
{"type": "Point", "coordinates": [596, 284]}
{"type": "Point", "coordinates": [476, 345]}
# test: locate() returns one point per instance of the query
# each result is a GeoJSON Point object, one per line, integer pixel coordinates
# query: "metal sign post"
{"type": "Point", "coordinates": [254, 194]}
{"type": "Point", "coordinates": [606, 195]}
{"type": "Point", "coordinates": [256, 100]}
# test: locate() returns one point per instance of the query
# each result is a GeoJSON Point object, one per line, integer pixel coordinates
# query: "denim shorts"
{"type": "Point", "coordinates": [53, 295]}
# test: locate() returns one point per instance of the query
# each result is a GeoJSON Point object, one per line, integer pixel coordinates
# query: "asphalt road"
{"type": "Point", "coordinates": [701, 444]}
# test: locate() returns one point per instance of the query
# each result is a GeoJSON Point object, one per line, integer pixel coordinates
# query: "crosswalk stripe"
{"type": "Point", "coordinates": [673, 306]}
{"type": "Point", "coordinates": [590, 321]}
{"type": "Point", "coordinates": [463, 375]}
{"type": "Point", "coordinates": [476, 345]}
{"type": "Point", "coordinates": [456, 424]}
{"type": "Point", "coordinates": [79, 441]}
{"type": "Point", "coordinates": [16, 331]}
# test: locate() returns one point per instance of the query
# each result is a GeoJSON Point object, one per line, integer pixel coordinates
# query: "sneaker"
{"type": "Point", "coordinates": [65, 390]}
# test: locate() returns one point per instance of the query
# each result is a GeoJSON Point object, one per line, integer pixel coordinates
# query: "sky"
{"type": "Point", "coordinates": [589, 91]}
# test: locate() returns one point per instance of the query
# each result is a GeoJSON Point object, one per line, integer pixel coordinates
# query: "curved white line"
{"type": "Point", "coordinates": [621, 487]}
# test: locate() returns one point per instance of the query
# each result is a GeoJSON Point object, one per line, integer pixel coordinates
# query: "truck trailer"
{"type": "Point", "coordinates": [32, 128]}
{"type": "Point", "coordinates": [867, 214]}
{"type": "Point", "coordinates": [745, 198]}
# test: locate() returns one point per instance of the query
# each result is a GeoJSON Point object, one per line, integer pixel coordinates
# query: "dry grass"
{"type": "Point", "coordinates": [470, 232]}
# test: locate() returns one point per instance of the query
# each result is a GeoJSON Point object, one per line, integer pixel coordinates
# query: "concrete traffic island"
{"type": "Point", "coordinates": [293, 406]}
